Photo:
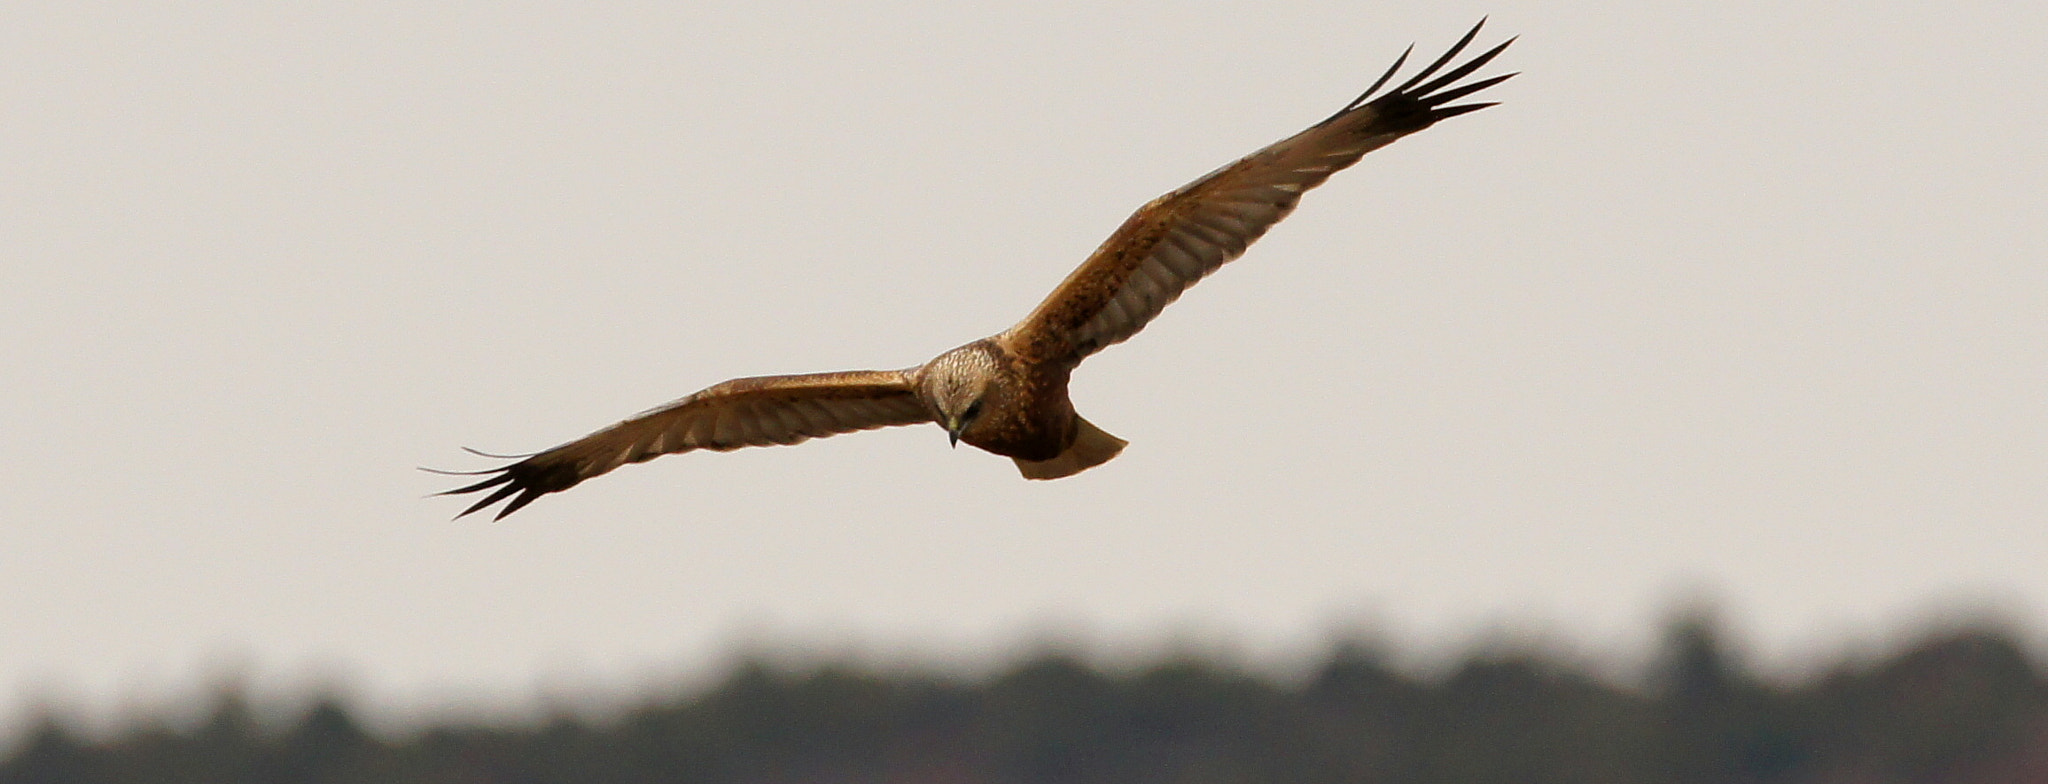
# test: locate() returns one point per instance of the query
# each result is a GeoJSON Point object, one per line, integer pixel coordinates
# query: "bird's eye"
{"type": "Point", "coordinates": [972, 409]}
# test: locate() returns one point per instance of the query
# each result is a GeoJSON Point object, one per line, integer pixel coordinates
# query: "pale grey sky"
{"type": "Point", "coordinates": [1738, 297]}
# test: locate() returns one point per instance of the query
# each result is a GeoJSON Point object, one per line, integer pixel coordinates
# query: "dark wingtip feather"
{"type": "Point", "coordinates": [446, 472]}
{"type": "Point", "coordinates": [523, 499]}
{"type": "Point", "coordinates": [489, 499]}
{"type": "Point", "coordinates": [1448, 96]}
{"type": "Point", "coordinates": [1453, 111]}
{"type": "Point", "coordinates": [1376, 85]}
{"type": "Point", "coordinates": [482, 453]}
{"type": "Point", "coordinates": [1446, 58]}
{"type": "Point", "coordinates": [1463, 70]}
{"type": "Point", "coordinates": [522, 482]}
{"type": "Point", "coordinates": [502, 477]}
{"type": "Point", "coordinates": [1416, 100]}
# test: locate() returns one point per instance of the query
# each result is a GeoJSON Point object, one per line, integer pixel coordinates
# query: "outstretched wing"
{"type": "Point", "coordinates": [738, 413]}
{"type": "Point", "coordinates": [1183, 236]}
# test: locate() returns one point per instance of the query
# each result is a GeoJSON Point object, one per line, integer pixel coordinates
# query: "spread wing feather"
{"type": "Point", "coordinates": [739, 413]}
{"type": "Point", "coordinates": [1169, 244]}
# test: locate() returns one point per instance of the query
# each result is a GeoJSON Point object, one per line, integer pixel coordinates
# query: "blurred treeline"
{"type": "Point", "coordinates": [1962, 705]}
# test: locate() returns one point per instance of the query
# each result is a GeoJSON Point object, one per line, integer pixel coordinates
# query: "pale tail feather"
{"type": "Point", "coordinates": [1092, 447]}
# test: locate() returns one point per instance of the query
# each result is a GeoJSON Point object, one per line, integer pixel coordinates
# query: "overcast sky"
{"type": "Point", "coordinates": [1737, 299]}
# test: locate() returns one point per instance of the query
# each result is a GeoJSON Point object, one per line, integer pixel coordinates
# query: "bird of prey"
{"type": "Point", "coordinates": [1007, 394]}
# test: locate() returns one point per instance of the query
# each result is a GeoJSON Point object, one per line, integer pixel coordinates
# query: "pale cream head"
{"type": "Point", "coordinates": [955, 383]}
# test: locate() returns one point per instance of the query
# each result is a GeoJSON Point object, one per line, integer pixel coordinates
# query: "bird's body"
{"type": "Point", "coordinates": [1007, 393]}
{"type": "Point", "coordinates": [999, 401]}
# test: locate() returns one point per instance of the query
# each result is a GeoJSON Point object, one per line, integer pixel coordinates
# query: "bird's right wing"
{"type": "Point", "coordinates": [1179, 238]}
{"type": "Point", "coordinates": [738, 413]}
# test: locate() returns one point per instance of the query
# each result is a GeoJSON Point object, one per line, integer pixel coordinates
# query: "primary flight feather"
{"type": "Point", "coordinates": [1007, 393]}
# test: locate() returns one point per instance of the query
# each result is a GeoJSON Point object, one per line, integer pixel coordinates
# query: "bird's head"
{"type": "Point", "coordinates": [956, 385]}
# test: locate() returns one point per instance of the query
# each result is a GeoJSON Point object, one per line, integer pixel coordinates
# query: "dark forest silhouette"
{"type": "Point", "coordinates": [1965, 705]}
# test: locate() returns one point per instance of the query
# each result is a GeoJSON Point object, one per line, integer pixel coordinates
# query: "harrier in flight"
{"type": "Point", "coordinates": [1007, 394]}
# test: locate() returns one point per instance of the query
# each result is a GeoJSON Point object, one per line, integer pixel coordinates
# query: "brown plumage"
{"type": "Point", "coordinates": [1007, 394]}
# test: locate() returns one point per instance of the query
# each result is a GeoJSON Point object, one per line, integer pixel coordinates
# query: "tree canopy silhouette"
{"type": "Point", "coordinates": [1962, 706]}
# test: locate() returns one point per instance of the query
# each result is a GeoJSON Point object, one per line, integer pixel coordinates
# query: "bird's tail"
{"type": "Point", "coordinates": [1092, 447]}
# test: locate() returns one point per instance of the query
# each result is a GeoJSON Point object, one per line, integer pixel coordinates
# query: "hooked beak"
{"type": "Point", "coordinates": [953, 428]}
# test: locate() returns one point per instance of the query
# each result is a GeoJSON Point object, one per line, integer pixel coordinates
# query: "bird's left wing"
{"type": "Point", "coordinates": [1179, 238]}
{"type": "Point", "coordinates": [739, 413]}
